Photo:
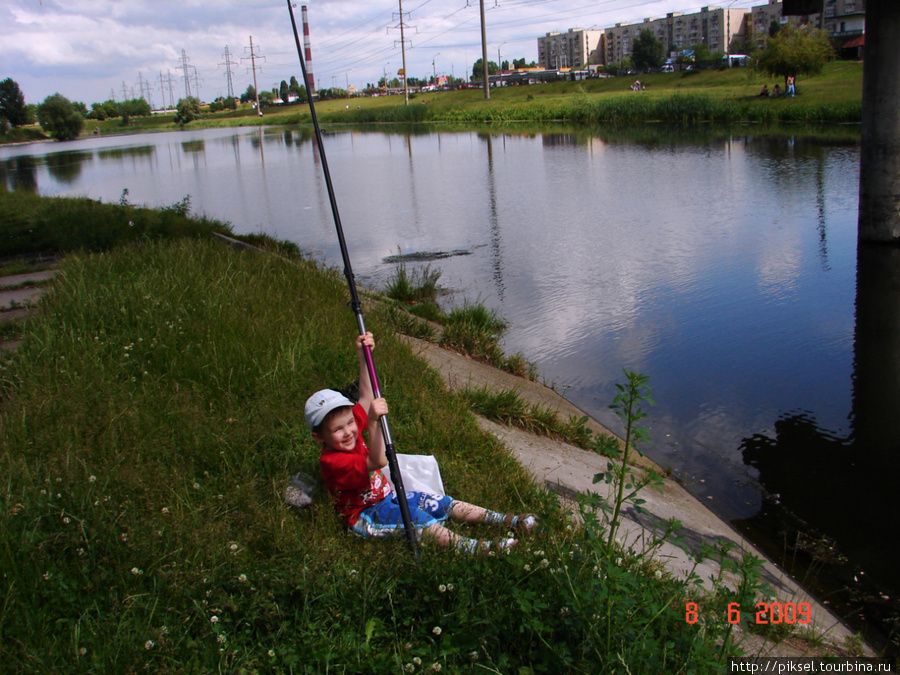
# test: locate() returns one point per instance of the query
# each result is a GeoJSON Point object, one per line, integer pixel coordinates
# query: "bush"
{"type": "Point", "coordinates": [58, 117]}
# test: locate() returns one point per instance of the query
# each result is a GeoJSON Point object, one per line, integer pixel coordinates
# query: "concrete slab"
{"type": "Point", "coordinates": [27, 278]}
{"type": "Point", "coordinates": [19, 297]}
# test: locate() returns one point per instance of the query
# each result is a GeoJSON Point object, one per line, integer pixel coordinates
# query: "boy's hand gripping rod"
{"type": "Point", "coordinates": [355, 304]}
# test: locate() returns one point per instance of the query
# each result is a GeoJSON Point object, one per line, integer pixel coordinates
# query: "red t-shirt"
{"type": "Point", "coordinates": [347, 477]}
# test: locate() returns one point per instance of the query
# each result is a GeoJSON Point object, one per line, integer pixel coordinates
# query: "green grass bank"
{"type": "Point", "coordinates": [721, 96]}
{"type": "Point", "coordinates": [148, 424]}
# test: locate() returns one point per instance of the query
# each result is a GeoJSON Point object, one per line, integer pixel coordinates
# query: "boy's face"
{"type": "Point", "coordinates": [340, 431]}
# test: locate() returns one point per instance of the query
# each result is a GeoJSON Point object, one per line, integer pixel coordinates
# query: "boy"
{"type": "Point", "coordinates": [362, 495]}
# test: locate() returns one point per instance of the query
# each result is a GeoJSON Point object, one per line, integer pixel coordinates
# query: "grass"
{"type": "Point", "coordinates": [50, 226]}
{"type": "Point", "coordinates": [507, 407]}
{"type": "Point", "coordinates": [148, 426]}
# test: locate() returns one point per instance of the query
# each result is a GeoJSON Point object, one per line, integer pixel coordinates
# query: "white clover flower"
{"type": "Point", "coordinates": [232, 547]}
{"type": "Point", "coordinates": [214, 619]}
{"type": "Point", "coordinates": [137, 571]}
{"type": "Point", "coordinates": [46, 576]}
{"type": "Point", "coordinates": [435, 667]}
{"type": "Point", "coordinates": [92, 478]}
{"type": "Point", "coordinates": [527, 567]}
{"type": "Point", "coordinates": [66, 520]}
{"type": "Point", "coordinates": [442, 588]}
{"type": "Point", "coordinates": [243, 578]}
{"type": "Point", "coordinates": [82, 651]}
{"type": "Point", "coordinates": [409, 668]}
{"type": "Point", "coordinates": [123, 537]}
{"type": "Point", "coordinates": [436, 630]}
{"type": "Point", "coordinates": [221, 639]}
{"type": "Point", "coordinates": [149, 644]}
{"type": "Point", "coordinates": [164, 510]}
{"type": "Point", "coordinates": [658, 574]}
{"type": "Point", "coordinates": [271, 653]}
{"type": "Point", "coordinates": [417, 660]}
{"type": "Point", "coordinates": [545, 563]}
{"type": "Point", "coordinates": [196, 486]}
{"type": "Point", "coordinates": [450, 587]}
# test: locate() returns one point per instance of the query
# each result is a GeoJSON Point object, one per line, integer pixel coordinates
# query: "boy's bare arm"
{"type": "Point", "coordinates": [366, 392]}
{"type": "Point", "coordinates": [377, 457]}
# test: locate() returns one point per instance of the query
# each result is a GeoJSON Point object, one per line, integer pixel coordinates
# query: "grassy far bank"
{"type": "Point", "coordinates": [729, 95]}
{"type": "Point", "coordinates": [148, 424]}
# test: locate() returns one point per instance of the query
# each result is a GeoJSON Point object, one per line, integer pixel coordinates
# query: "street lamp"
{"type": "Point", "coordinates": [433, 69]}
{"type": "Point", "coordinates": [499, 61]}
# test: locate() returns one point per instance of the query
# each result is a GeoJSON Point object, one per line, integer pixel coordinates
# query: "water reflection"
{"type": "Point", "coordinates": [66, 167]}
{"type": "Point", "coordinates": [20, 173]}
{"type": "Point", "coordinates": [820, 485]}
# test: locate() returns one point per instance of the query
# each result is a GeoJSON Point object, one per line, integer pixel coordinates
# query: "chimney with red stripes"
{"type": "Point", "coordinates": [311, 81]}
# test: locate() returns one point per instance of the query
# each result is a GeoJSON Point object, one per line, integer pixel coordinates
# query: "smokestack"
{"type": "Point", "coordinates": [311, 81]}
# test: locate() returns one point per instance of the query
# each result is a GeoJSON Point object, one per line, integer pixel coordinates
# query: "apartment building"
{"type": "Point", "coordinates": [576, 48]}
{"type": "Point", "coordinates": [843, 19]}
{"type": "Point", "coordinates": [715, 27]}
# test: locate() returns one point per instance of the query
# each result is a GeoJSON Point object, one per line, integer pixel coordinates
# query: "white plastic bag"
{"type": "Point", "coordinates": [420, 474]}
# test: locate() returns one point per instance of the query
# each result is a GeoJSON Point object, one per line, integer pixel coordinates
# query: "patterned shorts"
{"type": "Point", "coordinates": [384, 519]}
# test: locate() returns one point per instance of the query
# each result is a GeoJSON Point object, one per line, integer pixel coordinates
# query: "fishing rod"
{"type": "Point", "coordinates": [355, 304]}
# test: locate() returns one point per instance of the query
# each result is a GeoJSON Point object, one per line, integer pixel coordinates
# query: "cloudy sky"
{"type": "Point", "coordinates": [93, 50]}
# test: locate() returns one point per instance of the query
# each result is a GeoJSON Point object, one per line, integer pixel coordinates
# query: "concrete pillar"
{"type": "Point", "coordinates": [879, 176]}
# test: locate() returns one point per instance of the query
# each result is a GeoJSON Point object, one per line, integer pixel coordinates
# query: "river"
{"type": "Point", "coordinates": [720, 263]}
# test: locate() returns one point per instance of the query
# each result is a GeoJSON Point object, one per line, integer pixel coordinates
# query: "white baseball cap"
{"type": "Point", "coordinates": [321, 403]}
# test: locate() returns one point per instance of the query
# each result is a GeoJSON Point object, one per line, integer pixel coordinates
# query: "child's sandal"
{"type": "Point", "coordinates": [524, 522]}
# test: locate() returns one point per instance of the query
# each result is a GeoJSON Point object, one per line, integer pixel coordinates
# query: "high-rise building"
{"type": "Point", "coordinates": [574, 49]}
{"type": "Point", "coordinates": [714, 27]}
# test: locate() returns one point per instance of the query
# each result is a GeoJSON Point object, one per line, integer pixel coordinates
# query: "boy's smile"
{"type": "Point", "coordinates": [340, 432]}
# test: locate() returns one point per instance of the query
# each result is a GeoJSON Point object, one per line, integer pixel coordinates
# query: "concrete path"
{"type": "Point", "coordinates": [569, 471]}
{"type": "Point", "coordinates": [18, 295]}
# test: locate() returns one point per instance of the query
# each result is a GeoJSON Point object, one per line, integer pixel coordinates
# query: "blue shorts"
{"type": "Point", "coordinates": [384, 519]}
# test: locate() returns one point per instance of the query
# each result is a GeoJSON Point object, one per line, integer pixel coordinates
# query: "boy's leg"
{"type": "Point", "coordinates": [470, 513]}
{"type": "Point", "coordinates": [444, 537]}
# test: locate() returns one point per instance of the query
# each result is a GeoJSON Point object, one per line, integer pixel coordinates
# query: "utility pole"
{"type": "Point", "coordinates": [162, 89]}
{"type": "Point", "coordinates": [484, 61]}
{"type": "Point", "coordinates": [402, 27]}
{"type": "Point", "coordinates": [145, 89]}
{"type": "Point", "coordinates": [164, 82]}
{"type": "Point", "coordinates": [228, 63]}
{"type": "Point", "coordinates": [196, 82]}
{"type": "Point", "coordinates": [187, 76]}
{"type": "Point", "coordinates": [253, 67]}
